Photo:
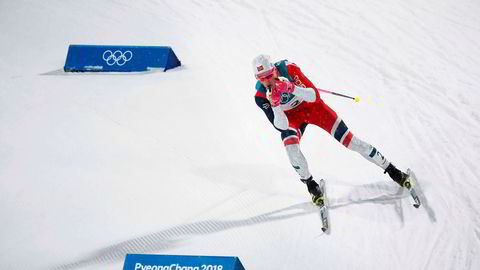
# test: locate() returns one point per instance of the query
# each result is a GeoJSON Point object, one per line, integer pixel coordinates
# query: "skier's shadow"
{"type": "Point", "coordinates": [175, 236]}
{"type": "Point", "coordinates": [382, 193]}
{"type": "Point", "coordinates": [378, 193]}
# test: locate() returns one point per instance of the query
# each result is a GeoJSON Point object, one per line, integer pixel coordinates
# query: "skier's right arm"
{"type": "Point", "coordinates": [274, 112]}
{"type": "Point", "coordinates": [263, 103]}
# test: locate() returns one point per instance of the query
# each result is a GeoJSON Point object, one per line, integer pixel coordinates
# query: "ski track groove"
{"type": "Point", "coordinates": [437, 244]}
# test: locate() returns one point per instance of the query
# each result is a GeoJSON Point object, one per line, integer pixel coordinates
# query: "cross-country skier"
{"type": "Point", "coordinates": [291, 102]}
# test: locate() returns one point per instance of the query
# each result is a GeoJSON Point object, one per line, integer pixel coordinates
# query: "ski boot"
{"type": "Point", "coordinates": [399, 177]}
{"type": "Point", "coordinates": [315, 191]}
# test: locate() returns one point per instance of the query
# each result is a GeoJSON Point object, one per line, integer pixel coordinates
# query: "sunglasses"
{"type": "Point", "coordinates": [266, 77]}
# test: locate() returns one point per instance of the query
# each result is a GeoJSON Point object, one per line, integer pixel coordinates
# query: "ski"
{"type": "Point", "coordinates": [323, 208]}
{"type": "Point", "coordinates": [413, 188]}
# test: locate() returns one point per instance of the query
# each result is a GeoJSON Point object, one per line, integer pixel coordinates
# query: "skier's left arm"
{"type": "Point", "coordinates": [303, 86]}
{"type": "Point", "coordinates": [307, 94]}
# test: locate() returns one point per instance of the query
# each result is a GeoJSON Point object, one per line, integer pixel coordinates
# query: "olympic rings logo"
{"type": "Point", "coordinates": [118, 57]}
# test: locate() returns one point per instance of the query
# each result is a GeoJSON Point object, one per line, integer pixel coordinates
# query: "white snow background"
{"type": "Point", "coordinates": [94, 166]}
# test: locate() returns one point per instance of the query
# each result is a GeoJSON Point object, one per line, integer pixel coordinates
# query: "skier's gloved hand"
{"type": "Point", "coordinates": [277, 91]}
{"type": "Point", "coordinates": [284, 86]}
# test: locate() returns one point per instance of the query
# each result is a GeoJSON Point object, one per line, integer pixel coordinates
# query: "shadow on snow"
{"type": "Point", "coordinates": [174, 236]}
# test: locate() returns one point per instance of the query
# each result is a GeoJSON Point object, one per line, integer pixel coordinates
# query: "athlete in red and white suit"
{"type": "Point", "coordinates": [291, 102]}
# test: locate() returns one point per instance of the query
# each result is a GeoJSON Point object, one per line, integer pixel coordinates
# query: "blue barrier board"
{"type": "Point", "coordinates": [173, 262]}
{"type": "Point", "coordinates": [101, 58]}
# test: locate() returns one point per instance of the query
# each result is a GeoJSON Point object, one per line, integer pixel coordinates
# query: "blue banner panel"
{"type": "Point", "coordinates": [171, 262]}
{"type": "Point", "coordinates": [94, 58]}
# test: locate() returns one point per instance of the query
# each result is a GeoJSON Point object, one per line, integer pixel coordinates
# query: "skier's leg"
{"type": "Point", "coordinates": [343, 135]}
{"type": "Point", "coordinates": [373, 155]}
{"type": "Point", "coordinates": [291, 140]}
{"type": "Point", "coordinates": [326, 118]}
{"type": "Point", "coordinates": [298, 161]}
{"type": "Point", "coordinates": [323, 116]}
{"type": "Point", "coordinates": [369, 152]}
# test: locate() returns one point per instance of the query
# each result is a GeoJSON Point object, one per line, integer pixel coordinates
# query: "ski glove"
{"type": "Point", "coordinates": [280, 88]}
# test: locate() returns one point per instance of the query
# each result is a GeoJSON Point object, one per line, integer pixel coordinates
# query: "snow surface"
{"type": "Point", "coordinates": [95, 166]}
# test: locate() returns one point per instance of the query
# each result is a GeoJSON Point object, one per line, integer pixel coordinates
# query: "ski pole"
{"type": "Point", "coordinates": [356, 99]}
